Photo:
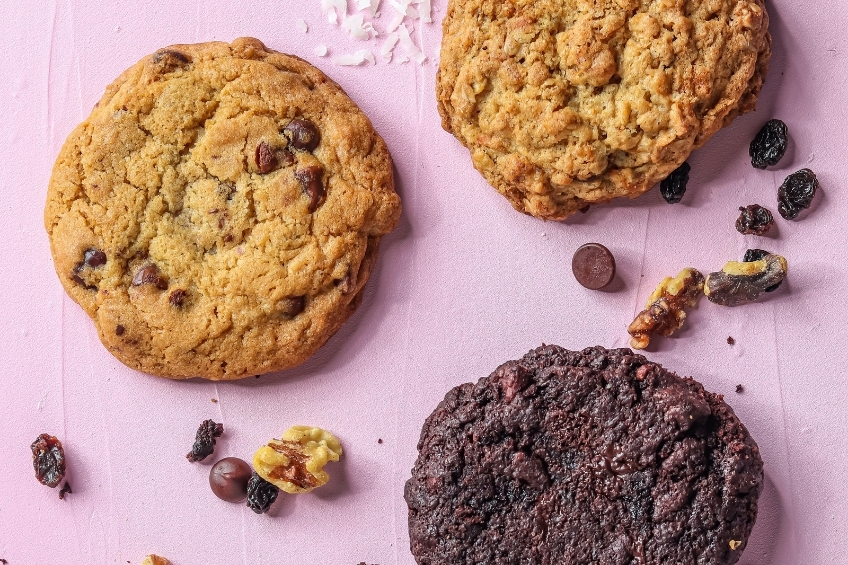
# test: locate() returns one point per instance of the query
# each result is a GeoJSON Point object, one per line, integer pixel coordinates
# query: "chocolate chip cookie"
{"type": "Point", "coordinates": [570, 103]}
{"type": "Point", "coordinates": [219, 212]}
{"type": "Point", "coordinates": [597, 456]}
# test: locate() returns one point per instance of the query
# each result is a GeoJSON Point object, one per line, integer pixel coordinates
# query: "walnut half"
{"type": "Point", "coordinates": [664, 313]}
{"type": "Point", "coordinates": [296, 462]}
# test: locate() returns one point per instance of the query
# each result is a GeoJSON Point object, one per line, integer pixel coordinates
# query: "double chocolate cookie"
{"type": "Point", "coordinates": [219, 212]}
{"type": "Point", "coordinates": [590, 457]}
{"type": "Point", "coordinates": [570, 103]}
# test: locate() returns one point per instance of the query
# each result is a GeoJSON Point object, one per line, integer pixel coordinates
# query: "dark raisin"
{"type": "Point", "coordinates": [260, 494]}
{"type": "Point", "coordinates": [150, 275]}
{"type": "Point", "coordinates": [310, 182]}
{"type": "Point", "coordinates": [769, 145]}
{"type": "Point", "coordinates": [302, 134]}
{"type": "Point", "coordinates": [66, 489]}
{"type": "Point", "coordinates": [204, 442]}
{"type": "Point", "coordinates": [177, 298]}
{"type": "Point", "coordinates": [673, 187]}
{"type": "Point", "coordinates": [796, 193]}
{"type": "Point", "coordinates": [752, 255]}
{"type": "Point", "coordinates": [48, 459]}
{"type": "Point", "coordinates": [754, 220]}
{"type": "Point", "coordinates": [266, 159]}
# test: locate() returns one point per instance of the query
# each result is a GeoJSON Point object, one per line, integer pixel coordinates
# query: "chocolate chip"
{"type": "Point", "coordinates": [291, 307]}
{"type": "Point", "coordinates": [302, 134]}
{"type": "Point", "coordinates": [228, 479]}
{"type": "Point", "coordinates": [150, 275]}
{"type": "Point", "coordinates": [177, 297]}
{"type": "Point", "coordinates": [227, 190]}
{"type": "Point", "coordinates": [310, 182]}
{"type": "Point", "coordinates": [266, 160]}
{"type": "Point", "coordinates": [593, 266]}
{"type": "Point", "coordinates": [119, 330]}
{"type": "Point", "coordinates": [94, 258]}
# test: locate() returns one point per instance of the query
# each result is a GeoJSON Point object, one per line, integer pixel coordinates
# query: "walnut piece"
{"type": "Point", "coordinates": [296, 462]}
{"type": "Point", "coordinates": [155, 560]}
{"type": "Point", "coordinates": [739, 283]}
{"type": "Point", "coordinates": [664, 312]}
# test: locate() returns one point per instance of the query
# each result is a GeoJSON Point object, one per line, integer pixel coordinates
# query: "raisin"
{"type": "Point", "coordinates": [769, 145]}
{"type": "Point", "coordinates": [673, 187]}
{"type": "Point", "coordinates": [796, 193]}
{"type": "Point", "coordinates": [204, 442]}
{"type": "Point", "coordinates": [260, 494]}
{"type": "Point", "coordinates": [755, 255]}
{"type": "Point", "coordinates": [754, 220]}
{"type": "Point", "coordinates": [48, 459]}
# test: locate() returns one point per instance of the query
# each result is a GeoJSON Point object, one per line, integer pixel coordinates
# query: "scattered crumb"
{"type": "Point", "coordinates": [731, 341]}
{"type": "Point", "coordinates": [66, 489]}
{"type": "Point", "coordinates": [4, 562]}
{"type": "Point", "coordinates": [321, 50]}
{"type": "Point", "coordinates": [301, 25]}
{"type": "Point", "coordinates": [257, 376]}
{"type": "Point", "coordinates": [380, 440]}
{"type": "Point", "coordinates": [215, 400]}
{"type": "Point", "coordinates": [740, 389]}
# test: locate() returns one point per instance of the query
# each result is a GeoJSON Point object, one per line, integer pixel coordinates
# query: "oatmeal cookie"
{"type": "Point", "coordinates": [570, 103]}
{"type": "Point", "coordinates": [597, 456]}
{"type": "Point", "coordinates": [219, 212]}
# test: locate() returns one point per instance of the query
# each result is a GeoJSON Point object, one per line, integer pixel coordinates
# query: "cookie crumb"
{"type": "Point", "coordinates": [215, 400]}
{"type": "Point", "coordinates": [730, 340]}
{"type": "Point", "coordinates": [740, 389]}
{"type": "Point", "coordinates": [66, 489]}
{"type": "Point", "coordinates": [379, 440]}
{"type": "Point", "coordinates": [204, 443]}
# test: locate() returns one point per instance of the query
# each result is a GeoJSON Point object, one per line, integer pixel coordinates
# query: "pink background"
{"type": "Point", "coordinates": [462, 285]}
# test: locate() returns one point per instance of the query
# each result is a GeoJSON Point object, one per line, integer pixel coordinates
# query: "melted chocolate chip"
{"type": "Point", "coordinates": [302, 134]}
{"type": "Point", "coordinates": [593, 266]}
{"type": "Point", "coordinates": [119, 330]}
{"type": "Point", "coordinates": [266, 160]}
{"type": "Point", "coordinates": [150, 275]}
{"type": "Point", "coordinates": [91, 259]}
{"type": "Point", "coordinates": [310, 182]}
{"type": "Point", "coordinates": [291, 307]}
{"type": "Point", "coordinates": [169, 60]}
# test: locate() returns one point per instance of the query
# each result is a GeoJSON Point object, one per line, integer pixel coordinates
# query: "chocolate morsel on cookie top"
{"type": "Point", "coordinates": [582, 457]}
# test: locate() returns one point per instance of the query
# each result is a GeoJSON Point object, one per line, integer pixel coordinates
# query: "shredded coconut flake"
{"type": "Point", "coordinates": [301, 25]}
{"type": "Point", "coordinates": [396, 20]}
{"type": "Point", "coordinates": [425, 10]}
{"type": "Point", "coordinates": [354, 59]}
{"type": "Point", "coordinates": [353, 25]}
{"type": "Point", "coordinates": [402, 7]}
{"type": "Point", "coordinates": [332, 17]}
{"type": "Point", "coordinates": [406, 42]}
{"type": "Point", "coordinates": [369, 6]}
{"type": "Point", "coordinates": [321, 50]}
{"type": "Point", "coordinates": [388, 45]}
{"type": "Point", "coordinates": [403, 59]}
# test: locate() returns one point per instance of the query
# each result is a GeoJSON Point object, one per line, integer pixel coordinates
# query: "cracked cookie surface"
{"type": "Point", "coordinates": [570, 103]}
{"type": "Point", "coordinates": [583, 457]}
{"type": "Point", "coordinates": [219, 212]}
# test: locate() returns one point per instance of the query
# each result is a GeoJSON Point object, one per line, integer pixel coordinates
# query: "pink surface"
{"type": "Point", "coordinates": [462, 285]}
